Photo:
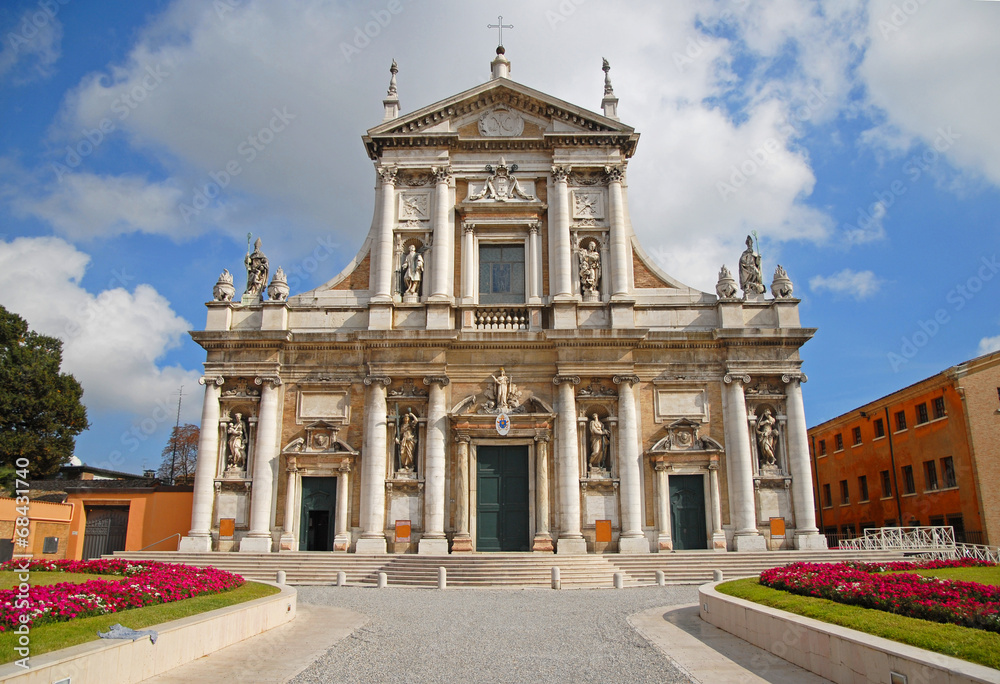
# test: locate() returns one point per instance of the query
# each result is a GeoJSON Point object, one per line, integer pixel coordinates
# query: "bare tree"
{"type": "Point", "coordinates": [180, 455]}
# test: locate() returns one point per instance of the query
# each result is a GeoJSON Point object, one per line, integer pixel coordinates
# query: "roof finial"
{"type": "Point", "coordinates": [391, 101]}
{"type": "Point", "coordinates": [392, 81]}
{"type": "Point", "coordinates": [610, 103]}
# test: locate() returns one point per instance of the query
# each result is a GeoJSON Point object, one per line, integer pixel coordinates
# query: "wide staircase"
{"type": "Point", "coordinates": [505, 569]}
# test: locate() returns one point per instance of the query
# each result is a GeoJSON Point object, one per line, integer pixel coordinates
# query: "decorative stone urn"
{"type": "Point", "coordinates": [277, 291]}
{"type": "Point", "coordinates": [224, 290]}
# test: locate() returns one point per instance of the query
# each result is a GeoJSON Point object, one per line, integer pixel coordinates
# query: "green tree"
{"type": "Point", "coordinates": [40, 409]}
{"type": "Point", "coordinates": [180, 453]}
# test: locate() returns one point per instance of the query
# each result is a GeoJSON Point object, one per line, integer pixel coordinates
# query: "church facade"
{"type": "Point", "coordinates": [501, 367]}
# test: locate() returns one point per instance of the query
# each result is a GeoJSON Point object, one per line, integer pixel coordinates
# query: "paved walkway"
{"type": "Point", "coordinates": [353, 634]}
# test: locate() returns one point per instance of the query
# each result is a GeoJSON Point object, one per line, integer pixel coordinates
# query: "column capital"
{"type": "Point", "coordinates": [388, 174]}
{"type": "Point", "coordinates": [543, 436]}
{"type": "Point", "coordinates": [534, 227]}
{"type": "Point", "coordinates": [621, 379]}
{"type": "Point", "coordinates": [560, 379]}
{"type": "Point", "coordinates": [713, 465]}
{"type": "Point", "coordinates": [662, 467]}
{"type": "Point", "coordinates": [731, 377]}
{"type": "Point", "coordinates": [441, 174]}
{"type": "Point", "coordinates": [442, 380]}
{"type": "Point", "coordinates": [468, 227]}
{"type": "Point", "coordinates": [344, 467]}
{"type": "Point", "coordinates": [615, 173]}
{"type": "Point", "coordinates": [789, 377]}
{"type": "Point", "coordinates": [560, 174]}
{"type": "Point", "coordinates": [273, 379]}
{"type": "Point", "coordinates": [384, 380]}
{"type": "Point", "coordinates": [211, 380]}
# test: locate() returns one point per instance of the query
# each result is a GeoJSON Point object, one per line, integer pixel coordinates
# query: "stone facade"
{"type": "Point", "coordinates": [501, 366]}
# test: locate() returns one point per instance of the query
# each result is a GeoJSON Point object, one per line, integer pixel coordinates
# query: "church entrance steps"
{"type": "Point", "coordinates": [504, 569]}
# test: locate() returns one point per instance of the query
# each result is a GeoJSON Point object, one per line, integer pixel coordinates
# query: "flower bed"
{"type": "Point", "coordinates": [144, 583]}
{"type": "Point", "coordinates": [969, 604]}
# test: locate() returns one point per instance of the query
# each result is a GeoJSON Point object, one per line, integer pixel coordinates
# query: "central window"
{"type": "Point", "coordinates": [501, 274]}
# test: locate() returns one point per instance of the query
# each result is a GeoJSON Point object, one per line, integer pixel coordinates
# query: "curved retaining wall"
{"type": "Point", "coordinates": [842, 655]}
{"type": "Point", "coordinates": [178, 642]}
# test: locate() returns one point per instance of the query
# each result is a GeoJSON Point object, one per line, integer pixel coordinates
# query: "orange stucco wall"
{"type": "Point", "coordinates": [152, 517]}
{"type": "Point", "coordinates": [46, 519]}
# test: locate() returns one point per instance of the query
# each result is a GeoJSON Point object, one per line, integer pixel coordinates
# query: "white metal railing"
{"type": "Point", "coordinates": [502, 319]}
{"type": "Point", "coordinates": [977, 551]}
{"type": "Point", "coordinates": [903, 538]}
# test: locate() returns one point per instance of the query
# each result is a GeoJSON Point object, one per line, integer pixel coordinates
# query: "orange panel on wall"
{"type": "Point", "coordinates": [603, 530]}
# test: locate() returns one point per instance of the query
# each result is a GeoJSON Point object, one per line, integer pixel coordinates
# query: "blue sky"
{"type": "Point", "coordinates": [858, 139]}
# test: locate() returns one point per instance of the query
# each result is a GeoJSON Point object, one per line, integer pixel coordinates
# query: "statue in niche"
{"type": "Point", "coordinates": [406, 439]}
{"type": "Point", "coordinates": [751, 278]}
{"type": "Point", "coordinates": [413, 270]}
{"type": "Point", "coordinates": [767, 439]}
{"type": "Point", "coordinates": [237, 444]}
{"type": "Point", "coordinates": [598, 439]}
{"type": "Point", "coordinates": [590, 268]}
{"type": "Point", "coordinates": [257, 270]}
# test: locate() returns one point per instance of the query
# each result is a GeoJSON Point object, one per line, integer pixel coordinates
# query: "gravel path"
{"type": "Point", "coordinates": [504, 635]}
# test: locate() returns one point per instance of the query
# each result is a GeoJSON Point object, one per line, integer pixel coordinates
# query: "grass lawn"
{"type": "Point", "coordinates": [58, 635]}
{"type": "Point", "coordinates": [974, 645]}
{"type": "Point", "coordinates": [983, 575]}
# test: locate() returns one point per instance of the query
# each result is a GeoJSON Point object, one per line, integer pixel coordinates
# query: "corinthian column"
{"type": "Point", "coordinates": [373, 468]}
{"type": "Point", "coordinates": [738, 457]}
{"type": "Point", "coordinates": [288, 542]}
{"type": "Point", "coordinates": [258, 539]}
{"type": "Point", "coordinates": [383, 242]}
{"type": "Point", "coordinates": [342, 537]}
{"type": "Point", "coordinates": [632, 539]}
{"type": "Point", "coordinates": [442, 285]}
{"type": "Point", "coordinates": [570, 537]}
{"type": "Point", "coordinates": [619, 238]}
{"type": "Point", "coordinates": [664, 541]}
{"type": "Point", "coordinates": [463, 540]}
{"type": "Point", "coordinates": [562, 285]}
{"type": "Point", "coordinates": [200, 536]}
{"type": "Point", "coordinates": [806, 533]}
{"type": "Point", "coordinates": [433, 542]}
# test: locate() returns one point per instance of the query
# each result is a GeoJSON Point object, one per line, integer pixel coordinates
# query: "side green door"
{"type": "Point", "coordinates": [502, 495]}
{"type": "Point", "coordinates": [687, 512]}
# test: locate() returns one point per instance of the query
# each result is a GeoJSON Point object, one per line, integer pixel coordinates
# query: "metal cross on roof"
{"type": "Point", "coordinates": [500, 27]}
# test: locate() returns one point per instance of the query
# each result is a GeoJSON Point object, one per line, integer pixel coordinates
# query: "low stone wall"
{"type": "Point", "coordinates": [842, 655]}
{"type": "Point", "coordinates": [178, 642]}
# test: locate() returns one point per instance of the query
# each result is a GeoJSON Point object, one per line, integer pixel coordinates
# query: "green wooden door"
{"type": "Point", "coordinates": [502, 498]}
{"type": "Point", "coordinates": [687, 512]}
{"type": "Point", "coordinates": [319, 498]}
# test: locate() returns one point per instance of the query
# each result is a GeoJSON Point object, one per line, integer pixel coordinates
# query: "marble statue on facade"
{"type": "Point", "coordinates": [413, 270]}
{"type": "Point", "coordinates": [406, 439]}
{"type": "Point", "coordinates": [503, 396]}
{"type": "Point", "coordinates": [237, 457]}
{"type": "Point", "coordinates": [277, 291]}
{"type": "Point", "coordinates": [598, 440]}
{"type": "Point", "coordinates": [767, 439]}
{"type": "Point", "coordinates": [590, 269]}
{"type": "Point", "coordinates": [781, 284]}
{"type": "Point", "coordinates": [726, 287]}
{"type": "Point", "coordinates": [224, 290]}
{"type": "Point", "coordinates": [501, 185]}
{"type": "Point", "coordinates": [257, 271]}
{"type": "Point", "coordinates": [751, 279]}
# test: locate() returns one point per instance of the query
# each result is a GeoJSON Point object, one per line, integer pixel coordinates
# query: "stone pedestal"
{"type": "Point", "coordinates": [199, 544]}
{"type": "Point", "coordinates": [622, 314]}
{"type": "Point", "coordinates": [432, 547]}
{"type": "Point", "coordinates": [633, 545]}
{"type": "Point", "coordinates": [255, 545]}
{"type": "Point", "coordinates": [461, 545]}
{"type": "Point", "coordinates": [719, 542]}
{"type": "Point", "coordinates": [750, 542]}
{"type": "Point", "coordinates": [370, 546]}
{"type": "Point", "coordinates": [380, 316]}
{"type": "Point", "coordinates": [288, 543]}
{"type": "Point", "coordinates": [542, 545]}
{"type": "Point", "coordinates": [810, 542]}
{"type": "Point", "coordinates": [564, 315]}
{"type": "Point", "coordinates": [571, 546]}
{"type": "Point", "coordinates": [439, 316]}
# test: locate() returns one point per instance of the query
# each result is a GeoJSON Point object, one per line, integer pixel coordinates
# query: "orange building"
{"type": "Point", "coordinates": [928, 454]}
{"type": "Point", "coordinates": [87, 518]}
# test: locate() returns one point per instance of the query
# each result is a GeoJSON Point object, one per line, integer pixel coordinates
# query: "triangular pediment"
{"type": "Point", "coordinates": [501, 109]}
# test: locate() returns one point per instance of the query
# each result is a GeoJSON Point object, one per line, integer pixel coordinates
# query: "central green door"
{"type": "Point", "coordinates": [502, 496]}
{"type": "Point", "coordinates": [319, 500]}
{"type": "Point", "coordinates": [687, 512]}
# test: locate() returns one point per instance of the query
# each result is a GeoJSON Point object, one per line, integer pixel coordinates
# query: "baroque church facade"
{"type": "Point", "coordinates": [502, 367]}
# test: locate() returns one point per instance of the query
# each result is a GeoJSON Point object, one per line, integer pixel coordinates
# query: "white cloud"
{"type": "Point", "coordinates": [989, 344]}
{"type": "Point", "coordinates": [932, 70]}
{"type": "Point", "coordinates": [31, 45]}
{"type": "Point", "coordinates": [111, 341]}
{"type": "Point", "coordinates": [85, 205]}
{"type": "Point", "coordinates": [857, 284]}
{"type": "Point", "coordinates": [869, 226]}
